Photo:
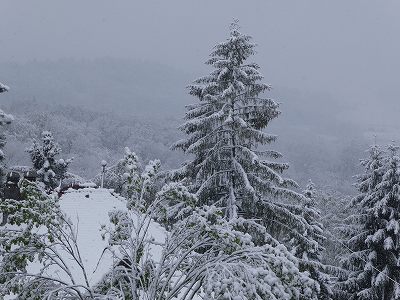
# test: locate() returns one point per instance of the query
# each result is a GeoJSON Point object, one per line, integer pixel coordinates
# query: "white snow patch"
{"type": "Point", "coordinates": [88, 209]}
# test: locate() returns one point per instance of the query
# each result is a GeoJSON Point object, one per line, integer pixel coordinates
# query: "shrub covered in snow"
{"type": "Point", "coordinates": [51, 170]}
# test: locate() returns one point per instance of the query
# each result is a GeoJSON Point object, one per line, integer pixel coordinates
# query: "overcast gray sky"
{"type": "Point", "coordinates": [349, 49]}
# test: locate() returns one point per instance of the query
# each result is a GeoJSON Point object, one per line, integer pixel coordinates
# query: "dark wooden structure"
{"type": "Point", "coordinates": [12, 190]}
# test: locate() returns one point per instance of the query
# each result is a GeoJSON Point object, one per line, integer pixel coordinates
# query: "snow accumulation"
{"type": "Point", "coordinates": [88, 209]}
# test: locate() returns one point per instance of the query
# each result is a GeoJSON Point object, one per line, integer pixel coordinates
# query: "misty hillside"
{"type": "Point", "coordinates": [88, 136]}
{"type": "Point", "coordinates": [116, 103]}
{"type": "Point", "coordinates": [103, 84]}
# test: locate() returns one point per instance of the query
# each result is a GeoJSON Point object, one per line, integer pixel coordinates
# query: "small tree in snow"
{"type": "Point", "coordinates": [310, 257]}
{"type": "Point", "coordinates": [137, 184]}
{"type": "Point", "coordinates": [131, 186]}
{"type": "Point", "coordinates": [44, 159]}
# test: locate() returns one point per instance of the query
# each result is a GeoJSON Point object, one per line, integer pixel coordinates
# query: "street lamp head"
{"type": "Point", "coordinates": [103, 163]}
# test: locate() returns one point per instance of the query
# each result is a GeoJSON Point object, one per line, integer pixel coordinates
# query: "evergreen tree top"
{"type": "Point", "coordinates": [236, 49]}
{"type": "Point", "coordinates": [231, 77]}
{"type": "Point", "coordinates": [373, 172]}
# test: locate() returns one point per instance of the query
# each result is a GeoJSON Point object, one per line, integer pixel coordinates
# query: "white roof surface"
{"type": "Point", "coordinates": [88, 209]}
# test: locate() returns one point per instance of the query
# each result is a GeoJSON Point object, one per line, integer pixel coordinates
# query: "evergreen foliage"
{"type": "Point", "coordinates": [51, 170]}
{"type": "Point", "coordinates": [373, 265]}
{"type": "Point", "coordinates": [310, 258]}
{"type": "Point", "coordinates": [138, 184]}
{"type": "Point", "coordinates": [35, 222]}
{"type": "Point", "coordinates": [232, 166]}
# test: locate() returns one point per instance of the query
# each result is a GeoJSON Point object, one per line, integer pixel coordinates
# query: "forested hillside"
{"type": "Point", "coordinates": [89, 136]}
{"type": "Point", "coordinates": [112, 103]}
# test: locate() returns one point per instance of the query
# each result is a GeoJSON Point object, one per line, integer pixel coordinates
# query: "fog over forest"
{"type": "Point", "coordinates": [317, 135]}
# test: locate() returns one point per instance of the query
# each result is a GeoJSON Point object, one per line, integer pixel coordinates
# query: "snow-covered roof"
{"type": "Point", "coordinates": [3, 88]}
{"type": "Point", "coordinates": [88, 209]}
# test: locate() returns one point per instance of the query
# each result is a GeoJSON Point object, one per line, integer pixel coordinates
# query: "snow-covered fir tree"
{"type": "Point", "coordinates": [136, 187]}
{"type": "Point", "coordinates": [44, 159]}
{"type": "Point", "coordinates": [310, 257]}
{"type": "Point", "coordinates": [131, 175]}
{"type": "Point", "coordinates": [232, 166]}
{"type": "Point", "coordinates": [373, 264]}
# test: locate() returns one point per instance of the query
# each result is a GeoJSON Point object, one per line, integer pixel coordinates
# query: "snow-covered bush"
{"type": "Point", "coordinates": [39, 234]}
{"type": "Point", "coordinates": [203, 254]}
{"type": "Point", "coordinates": [374, 230]}
{"type": "Point", "coordinates": [138, 184]}
{"type": "Point", "coordinates": [51, 170]}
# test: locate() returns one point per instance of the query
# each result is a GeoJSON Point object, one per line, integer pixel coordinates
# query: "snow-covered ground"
{"type": "Point", "coordinates": [88, 209]}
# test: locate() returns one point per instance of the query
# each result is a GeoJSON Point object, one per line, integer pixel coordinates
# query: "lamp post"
{"type": "Point", "coordinates": [103, 171]}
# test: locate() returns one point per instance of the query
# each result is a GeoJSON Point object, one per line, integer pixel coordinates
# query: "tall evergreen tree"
{"type": "Point", "coordinates": [44, 159]}
{"type": "Point", "coordinates": [225, 131]}
{"type": "Point", "coordinates": [373, 265]}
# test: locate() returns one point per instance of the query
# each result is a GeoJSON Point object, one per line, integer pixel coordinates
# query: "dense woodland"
{"type": "Point", "coordinates": [239, 222]}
